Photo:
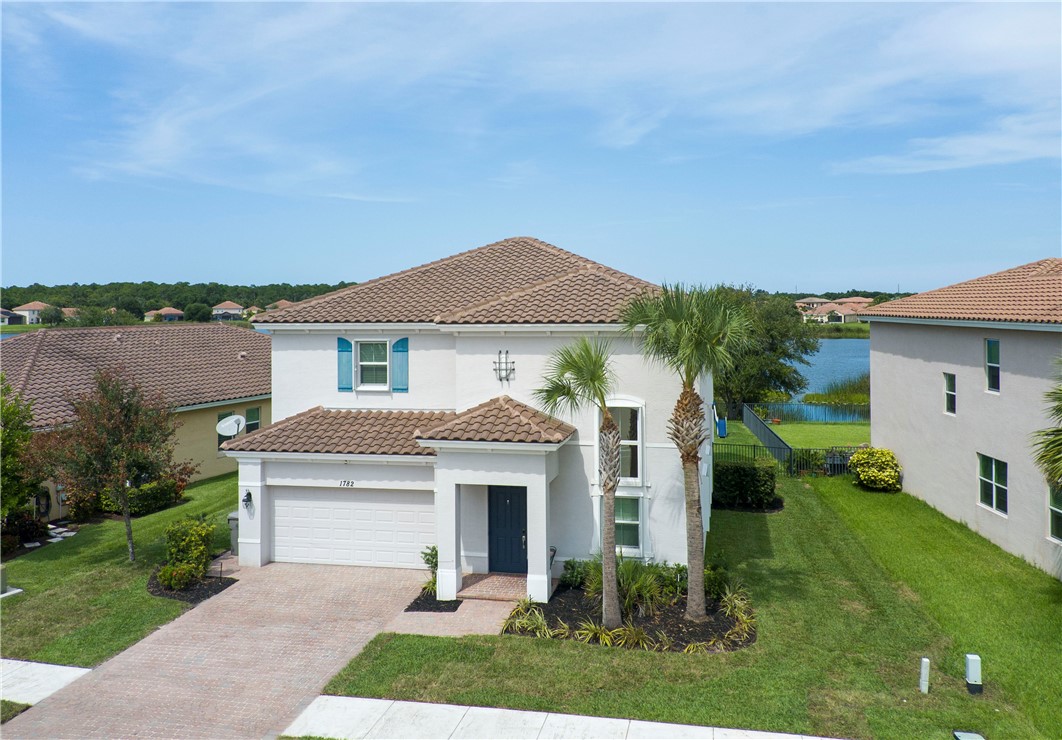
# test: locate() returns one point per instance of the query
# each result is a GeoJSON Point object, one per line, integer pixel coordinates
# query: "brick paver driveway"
{"type": "Point", "coordinates": [243, 664]}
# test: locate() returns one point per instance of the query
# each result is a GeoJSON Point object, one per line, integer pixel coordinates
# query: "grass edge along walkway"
{"type": "Point", "coordinates": [990, 602]}
{"type": "Point", "coordinates": [84, 602]}
{"type": "Point", "coordinates": [837, 652]}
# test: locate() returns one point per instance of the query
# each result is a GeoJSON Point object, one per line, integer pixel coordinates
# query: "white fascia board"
{"type": "Point", "coordinates": [533, 329]}
{"type": "Point", "coordinates": [517, 448]}
{"type": "Point", "coordinates": [212, 404]}
{"type": "Point", "coordinates": [969, 323]}
{"type": "Point", "coordinates": [332, 328]}
{"type": "Point", "coordinates": [332, 457]}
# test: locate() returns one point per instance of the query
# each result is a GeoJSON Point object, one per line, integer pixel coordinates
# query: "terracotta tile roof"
{"type": "Point", "coordinates": [519, 280]}
{"type": "Point", "coordinates": [228, 304]}
{"type": "Point", "coordinates": [189, 364]}
{"type": "Point", "coordinates": [344, 432]}
{"type": "Point", "coordinates": [170, 311]}
{"type": "Point", "coordinates": [854, 299]}
{"type": "Point", "coordinates": [32, 306]}
{"type": "Point", "coordinates": [812, 299]}
{"type": "Point", "coordinates": [841, 308]}
{"type": "Point", "coordinates": [282, 303]}
{"type": "Point", "coordinates": [500, 419]}
{"type": "Point", "coordinates": [69, 312]}
{"type": "Point", "coordinates": [1030, 293]}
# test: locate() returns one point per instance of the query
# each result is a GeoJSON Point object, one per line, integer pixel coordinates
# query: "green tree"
{"type": "Point", "coordinates": [16, 482]}
{"type": "Point", "coordinates": [197, 312]}
{"type": "Point", "coordinates": [692, 331]}
{"type": "Point", "coordinates": [121, 437]}
{"type": "Point", "coordinates": [131, 305]}
{"type": "Point", "coordinates": [1048, 442]}
{"type": "Point", "coordinates": [580, 376]}
{"type": "Point", "coordinates": [778, 342]}
{"type": "Point", "coordinates": [95, 316]}
{"type": "Point", "coordinates": [52, 316]}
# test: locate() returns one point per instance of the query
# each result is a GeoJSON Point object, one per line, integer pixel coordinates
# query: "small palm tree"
{"type": "Point", "coordinates": [692, 331]}
{"type": "Point", "coordinates": [578, 376]}
{"type": "Point", "coordinates": [1048, 442]}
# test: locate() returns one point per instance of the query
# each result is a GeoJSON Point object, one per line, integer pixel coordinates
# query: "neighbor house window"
{"type": "Point", "coordinates": [629, 420]}
{"type": "Point", "coordinates": [949, 393]}
{"type": "Point", "coordinates": [221, 437]}
{"type": "Point", "coordinates": [254, 419]}
{"type": "Point", "coordinates": [992, 364]}
{"type": "Point", "coordinates": [372, 364]}
{"type": "Point", "coordinates": [628, 523]}
{"type": "Point", "coordinates": [993, 477]}
{"type": "Point", "coordinates": [1054, 505]}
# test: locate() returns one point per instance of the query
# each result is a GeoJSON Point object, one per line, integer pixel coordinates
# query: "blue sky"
{"type": "Point", "coordinates": [796, 147]}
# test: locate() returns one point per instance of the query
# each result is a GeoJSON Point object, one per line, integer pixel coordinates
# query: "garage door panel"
{"type": "Point", "coordinates": [352, 527]}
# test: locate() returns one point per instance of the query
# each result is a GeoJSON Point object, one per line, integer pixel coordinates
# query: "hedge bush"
{"type": "Point", "coordinates": [188, 543]}
{"type": "Point", "coordinates": [24, 524]}
{"type": "Point", "coordinates": [744, 484]}
{"type": "Point", "coordinates": [876, 468]}
{"type": "Point", "coordinates": [147, 499]}
{"type": "Point", "coordinates": [176, 577]}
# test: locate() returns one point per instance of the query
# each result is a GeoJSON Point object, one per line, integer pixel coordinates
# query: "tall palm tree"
{"type": "Point", "coordinates": [579, 376]}
{"type": "Point", "coordinates": [692, 331]}
{"type": "Point", "coordinates": [1048, 443]}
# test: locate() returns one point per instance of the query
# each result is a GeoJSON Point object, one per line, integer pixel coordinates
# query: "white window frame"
{"type": "Point", "coordinates": [627, 550]}
{"type": "Point", "coordinates": [1052, 509]}
{"type": "Point", "coordinates": [994, 505]}
{"type": "Point", "coordinates": [247, 419]}
{"type": "Point", "coordinates": [954, 394]}
{"type": "Point", "coordinates": [358, 385]}
{"type": "Point", "coordinates": [998, 365]}
{"type": "Point", "coordinates": [629, 402]}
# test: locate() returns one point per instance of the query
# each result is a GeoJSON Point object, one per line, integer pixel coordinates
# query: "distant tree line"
{"type": "Point", "coordinates": [137, 298]}
{"type": "Point", "coordinates": [832, 295]}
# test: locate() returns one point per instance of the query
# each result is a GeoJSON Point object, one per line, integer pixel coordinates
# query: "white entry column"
{"type": "Point", "coordinates": [256, 529]}
{"type": "Point", "coordinates": [539, 576]}
{"type": "Point", "coordinates": [448, 535]}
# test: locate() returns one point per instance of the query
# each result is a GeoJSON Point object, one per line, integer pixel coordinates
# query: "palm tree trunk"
{"type": "Point", "coordinates": [609, 438]}
{"type": "Point", "coordinates": [686, 429]}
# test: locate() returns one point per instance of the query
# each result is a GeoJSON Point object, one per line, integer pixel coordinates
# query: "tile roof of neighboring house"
{"type": "Point", "coordinates": [841, 308]}
{"type": "Point", "coordinates": [1029, 293]}
{"type": "Point", "coordinates": [170, 311]}
{"type": "Point", "coordinates": [32, 306]}
{"type": "Point", "coordinates": [854, 299]}
{"type": "Point", "coordinates": [344, 432]}
{"type": "Point", "coordinates": [229, 304]}
{"type": "Point", "coordinates": [189, 364]}
{"type": "Point", "coordinates": [812, 299]}
{"type": "Point", "coordinates": [519, 280]}
{"type": "Point", "coordinates": [69, 312]}
{"type": "Point", "coordinates": [282, 303]}
{"type": "Point", "coordinates": [252, 308]}
{"type": "Point", "coordinates": [500, 419]}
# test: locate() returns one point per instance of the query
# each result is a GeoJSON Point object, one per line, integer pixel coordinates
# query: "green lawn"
{"type": "Point", "coordinates": [84, 601]}
{"type": "Point", "coordinates": [9, 709]}
{"type": "Point", "coordinates": [837, 653]}
{"type": "Point", "coordinates": [812, 434]}
{"type": "Point", "coordinates": [20, 328]}
{"type": "Point", "coordinates": [987, 601]}
{"type": "Point", "coordinates": [737, 434]}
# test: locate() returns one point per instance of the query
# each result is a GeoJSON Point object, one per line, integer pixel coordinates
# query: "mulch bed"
{"type": "Point", "coordinates": [572, 606]}
{"type": "Point", "coordinates": [776, 505]}
{"type": "Point", "coordinates": [194, 594]}
{"type": "Point", "coordinates": [426, 602]}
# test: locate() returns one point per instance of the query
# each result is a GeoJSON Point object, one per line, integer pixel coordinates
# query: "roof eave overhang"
{"type": "Point", "coordinates": [967, 323]}
{"type": "Point", "coordinates": [518, 448]}
{"type": "Point", "coordinates": [430, 327]}
{"type": "Point", "coordinates": [330, 457]}
{"type": "Point", "coordinates": [225, 402]}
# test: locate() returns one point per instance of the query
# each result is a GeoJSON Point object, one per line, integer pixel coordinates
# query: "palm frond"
{"type": "Point", "coordinates": [577, 375]}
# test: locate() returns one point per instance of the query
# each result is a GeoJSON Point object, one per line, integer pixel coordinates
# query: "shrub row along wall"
{"type": "Point", "coordinates": [744, 484]}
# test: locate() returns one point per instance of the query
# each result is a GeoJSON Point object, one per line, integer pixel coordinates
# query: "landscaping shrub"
{"type": "Point", "coordinates": [9, 543]}
{"type": "Point", "coordinates": [876, 468]}
{"type": "Point", "coordinates": [177, 576]}
{"type": "Point", "coordinates": [430, 556]}
{"type": "Point", "coordinates": [744, 484]}
{"type": "Point", "coordinates": [574, 574]}
{"type": "Point", "coordinates": [147, 499]}
{"type": "Point", "coordinates": [24, 524]}
{"type": "Point", "coordinates": [188, 543]}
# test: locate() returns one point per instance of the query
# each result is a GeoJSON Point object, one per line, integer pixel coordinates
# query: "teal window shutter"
{"type": "Point", "coordinates": [400, 366]}
{"type": "Point", "coordinates": [346, 364]}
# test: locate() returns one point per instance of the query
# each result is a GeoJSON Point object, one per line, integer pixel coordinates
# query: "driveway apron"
{"type": "Point", "coordinates": [240, 665]}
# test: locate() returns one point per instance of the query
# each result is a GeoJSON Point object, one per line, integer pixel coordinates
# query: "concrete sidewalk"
{"type": "Point", "coordinates": [29, 683]}
{"type": "Point", "coordinates": [355, 718]}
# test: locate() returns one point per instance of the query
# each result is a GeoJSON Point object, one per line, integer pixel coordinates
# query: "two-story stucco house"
{"type": "Point", "coordinates": [405, 418]}
{"type": "Point", "coordinates": [957, 381]}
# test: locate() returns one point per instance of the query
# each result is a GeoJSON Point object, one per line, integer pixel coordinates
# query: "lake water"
{"type": "Point", "coordinates": [837, 359]}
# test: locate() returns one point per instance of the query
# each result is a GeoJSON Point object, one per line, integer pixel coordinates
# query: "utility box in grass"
{"type": "Point", "coordinates": [234, 532]}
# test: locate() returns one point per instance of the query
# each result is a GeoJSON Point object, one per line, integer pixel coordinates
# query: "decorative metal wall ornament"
{"type": "Point", "coordinates": [504, 368]}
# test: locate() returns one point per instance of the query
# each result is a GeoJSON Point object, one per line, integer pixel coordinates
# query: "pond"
{"type": "Point", "coordinates": [837, 359]}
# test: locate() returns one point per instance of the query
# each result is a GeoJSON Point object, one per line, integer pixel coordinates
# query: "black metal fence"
{"type": "Point", "coordinates": [793, 462]}
{"type": "Point", "coordinates": [767, 436]}
{"type": "Point", "coordinates": [817, 412]}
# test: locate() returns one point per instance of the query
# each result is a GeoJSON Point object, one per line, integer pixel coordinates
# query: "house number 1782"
{"type": "Point", "coordinates": [346, 484]}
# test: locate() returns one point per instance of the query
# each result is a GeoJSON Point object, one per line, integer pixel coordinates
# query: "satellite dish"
{"type": "Point", "coordinates": [230, 426]}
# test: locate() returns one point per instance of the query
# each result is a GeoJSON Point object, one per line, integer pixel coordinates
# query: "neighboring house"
{"type": "Point", "coordinates": [957, 380]}
{"type": "Point", "coordinates": [69, 313]}
{"type": "Point", "coordinates": [227, 311]}
{"type": "Point", "coordinates": [855, 300]}
{"type": "Point", "coordinates": [10, 318]}
{"type": "Point", "coordinates": [166, 313]}
{"type": "Point", "coordinates": [250, 312]}
{"type": "Point", "coordinates": [406, 418]}
{"type": "Point", "coordinates": [833, 313]}
{"type": "Point", "coordinates": [282, 303]}
{"type": "Point", "coordinates": [810, 302]}
{"type": "Point", "coordinates": [205, 372]}
{"type": "Point", "coordinates": [31, 311]}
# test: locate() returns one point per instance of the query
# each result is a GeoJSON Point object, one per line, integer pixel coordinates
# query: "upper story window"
{"type": "Point", "coordinates": [1054, 506]}
{"type": "Point", "coordinates": [993, 476]}
{"type": "Point", "coordinates": [254, 419]}
{"type": "Point", "coordinates": [376, 364]}
{"type": "Point", "coordinates": [628, 416]}
{"type": "Point", "coordinates": [372, 365]}
{"type": "Point", "coordinates": [992, 364]}
{"type": "Point", "coordinates": [950, 396]}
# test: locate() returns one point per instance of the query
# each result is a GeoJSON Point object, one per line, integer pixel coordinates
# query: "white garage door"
{"type": "Point", "coordinates": [352, 527]}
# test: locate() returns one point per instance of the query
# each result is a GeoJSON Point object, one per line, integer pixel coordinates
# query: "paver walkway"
{"type": "Point", "coordinates": [240, 665]}
{"type": "Point", "coordinates": [355, 718]}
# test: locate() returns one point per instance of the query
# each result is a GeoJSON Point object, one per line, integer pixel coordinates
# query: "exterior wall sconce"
{"type": "Point", "coordinates": [504, 368]}
{"type": "Point", "coordinates": [248, 502]}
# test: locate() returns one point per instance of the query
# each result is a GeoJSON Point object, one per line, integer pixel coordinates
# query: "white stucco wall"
{"type": "Point", "coordinates": [939, 451]}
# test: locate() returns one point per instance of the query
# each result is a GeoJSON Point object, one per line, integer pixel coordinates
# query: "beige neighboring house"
{"type": "Point", "coordinates": [31, 311]}
{"type": "Point", "coordinates": [166, 313]}
{"type": "Point", "coordinates": [205, 371]}
{"type": "Point", "coordinates": [250, 311]}
{"type": "Point", "coordinates": [810, 302]}
{"type": "Point", "coordinates": [227, 311]}
{"type": "Point", "coordinates": [957, 381]}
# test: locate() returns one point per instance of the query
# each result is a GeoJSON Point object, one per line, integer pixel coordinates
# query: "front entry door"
{"type": "Point", "coordinates": [507, 529]}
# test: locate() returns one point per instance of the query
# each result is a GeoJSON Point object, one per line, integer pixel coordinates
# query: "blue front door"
{"type": "Point", "coordinates": [507, 528]}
